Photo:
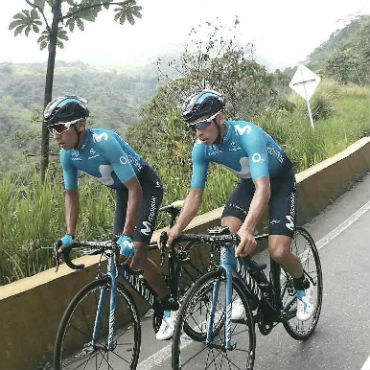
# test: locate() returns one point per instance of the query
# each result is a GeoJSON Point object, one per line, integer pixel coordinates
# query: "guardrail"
{"type": "Point", "coordinates": [30, 309]}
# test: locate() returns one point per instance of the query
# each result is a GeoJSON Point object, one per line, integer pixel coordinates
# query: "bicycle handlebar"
{"type": "Point", "coordinates": [109, 244]}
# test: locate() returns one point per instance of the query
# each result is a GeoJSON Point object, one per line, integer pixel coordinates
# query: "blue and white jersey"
{"type": "Point", "coordinates": [103, 155]}
{"type": "Point", "coordinates": [246, 149]}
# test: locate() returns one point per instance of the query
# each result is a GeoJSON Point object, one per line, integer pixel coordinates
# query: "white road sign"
{"type": "Point", "coordinates": [304, 82]}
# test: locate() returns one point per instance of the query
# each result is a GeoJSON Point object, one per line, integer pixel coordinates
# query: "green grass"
{"type": "Point", "coordinates": [32, 214]}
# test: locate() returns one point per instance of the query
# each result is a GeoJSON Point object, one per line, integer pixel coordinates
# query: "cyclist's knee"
{"type": "Point", "coordinates": [279, 253]}
{"type": "Point", "coordinates": [233, 223]}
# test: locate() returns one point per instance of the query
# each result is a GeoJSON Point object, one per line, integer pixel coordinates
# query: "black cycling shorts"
{"type": "Point", "coordinates": [149, 207]}
{"type": "Point", "coordinates": [282, 204]}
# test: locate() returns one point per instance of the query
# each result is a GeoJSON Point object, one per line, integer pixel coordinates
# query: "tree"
{"type": "Point", "coordinates": [65, 16]}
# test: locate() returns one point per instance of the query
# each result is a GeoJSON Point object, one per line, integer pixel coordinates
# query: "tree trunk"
{"type": "Point", "coordinates": [49, 86]}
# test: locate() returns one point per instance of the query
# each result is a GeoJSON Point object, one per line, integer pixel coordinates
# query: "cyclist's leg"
{"type": "Point", "coordinates": [282, 219]}
{"type": "Point", "coordinates": [145, 225]}
{"type": "Point", "coordinates": [237, 205]}
{"type": "Point", "coordinates": [233, 215]}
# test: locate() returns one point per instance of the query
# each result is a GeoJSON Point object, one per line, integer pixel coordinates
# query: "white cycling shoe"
{"type": "Point", "coordinates": [238, 310]}
{"type": "Point", "coordinates": [167, 327]}
{"type": "Point", "coordinates": [305, 303]}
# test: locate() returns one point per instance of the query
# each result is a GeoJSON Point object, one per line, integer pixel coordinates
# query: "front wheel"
{"type": "Point", "coordinates": [73, 345]}
{"type": "Point", "coordinates": [212, 354]}
{"type": "Point", "coordinates": [303, 246]}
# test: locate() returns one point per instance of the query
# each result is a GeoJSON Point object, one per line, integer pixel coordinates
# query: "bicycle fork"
{"type": "Point", "coordinates": [111, 272]}
{"type": "Point", "coordinates": [227, 262]}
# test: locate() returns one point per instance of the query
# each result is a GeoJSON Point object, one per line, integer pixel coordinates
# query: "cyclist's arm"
{"type": "Point", "coordinates": [135, 194]}
{"type": "Point", "coordinates": [72, 209]}
{"type": "Point", "coordinates": [258, 204]}
{"type": "Point", "coordinates": [71, 192]}
{"type": "Point", "coordinates": [189, 209]}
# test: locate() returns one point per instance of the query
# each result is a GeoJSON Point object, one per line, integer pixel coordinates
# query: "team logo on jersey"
{"type": "Point", "coordinates": [98, 138]}
{"type": "Point", "coordinates": [256, 157]}
{"type": "Point", "coordinates": [106, 174]}
{"type": "Point", "coordinates": [123, 160]}
{"type": "Point", "coordinates": [290, 223]}
{"type": "Point", "coordinates": [92, 151]}
{"type": "Point", "coordinates": [242, 130]}
{"type": "Point", "coordinates": [146, 230]}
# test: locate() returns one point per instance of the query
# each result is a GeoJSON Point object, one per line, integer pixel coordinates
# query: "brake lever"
{"type": "Point", "coordinates": [57, 254]}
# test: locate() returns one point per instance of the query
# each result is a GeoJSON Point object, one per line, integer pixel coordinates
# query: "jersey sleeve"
{"type": "Point", "coordinates": [200, 167]}
{"type": "Point", "coordinates": [113, 152]}
{"type": "Point", "coordinates": [253, 142]}
{"type": "Point", "coordinates": [69, 171]}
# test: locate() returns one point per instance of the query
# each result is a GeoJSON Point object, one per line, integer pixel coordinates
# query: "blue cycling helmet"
{"type": "Point", "coordinates": [202, 103]}
{"type": "Point", "coordinates": [65, 108]}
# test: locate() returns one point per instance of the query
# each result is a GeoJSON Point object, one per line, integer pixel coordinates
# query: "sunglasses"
{"type": "Point", "coordinates": [62, 127]}
{"type": "Point", "coordinates": [201, 125]}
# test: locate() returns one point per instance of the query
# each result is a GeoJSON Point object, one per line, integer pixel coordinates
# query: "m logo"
{"type": "Point", "coordinates": [241, 130]}
{"type": "Point", "coordinates": [98, 138]}
{"type": "Point", "coordinates": [146, 230]}
{"type": "Point", "coordinates": [290, 223]}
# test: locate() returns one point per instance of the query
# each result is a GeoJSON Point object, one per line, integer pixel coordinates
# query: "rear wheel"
{"type": "Point", "coordinates": [303, 246]}
{"type": "Point", "coordinates": [73, 345]}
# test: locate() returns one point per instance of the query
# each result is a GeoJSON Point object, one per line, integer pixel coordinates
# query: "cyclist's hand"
{"type": "Point", "coordinates": [247, 243]}
{"type": "Point", "coordinates": [127, 246]}
{"type": "Point", "coordinates": [64, 242]}
{"type": "Point", "coordinates": [172, 234]}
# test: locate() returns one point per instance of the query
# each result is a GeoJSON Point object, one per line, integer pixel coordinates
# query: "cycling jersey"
{"type": "Point", "coordinates": [103, 155]}
{"type": "Point", "coordinates": [246, 149]}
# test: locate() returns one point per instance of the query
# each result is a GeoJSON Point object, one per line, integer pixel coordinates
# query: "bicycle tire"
{"type": "Point", "coordinates": [197, 351]}
{"type": "Point", "coordinates": [190, 272]}
{"type": "Point", "coordinates": [72, 348]}
{"type": "Point", "coordinates": [303, 246]}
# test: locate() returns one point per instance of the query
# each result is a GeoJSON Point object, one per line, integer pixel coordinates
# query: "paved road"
{"type": "Point", "coordinates": [342, 337]}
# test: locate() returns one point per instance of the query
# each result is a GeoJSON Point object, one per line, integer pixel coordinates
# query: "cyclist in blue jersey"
{"type": "Point", "coordinates": [266, 180]}
{"type": "Point", "coordinates": [106, 156]}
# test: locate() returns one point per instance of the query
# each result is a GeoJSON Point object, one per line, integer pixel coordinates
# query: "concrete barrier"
{"type": "Point", "coordinates": [31, 308]}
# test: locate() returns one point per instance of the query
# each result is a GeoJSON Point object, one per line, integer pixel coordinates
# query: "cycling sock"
{"type": "Point", "coordinates": [301, 283]}
{"type": "Point", "coordinates": [166, 314]}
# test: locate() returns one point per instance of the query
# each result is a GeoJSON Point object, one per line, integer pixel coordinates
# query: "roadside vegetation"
{"type": "Point", "coordinates": [32, 213]}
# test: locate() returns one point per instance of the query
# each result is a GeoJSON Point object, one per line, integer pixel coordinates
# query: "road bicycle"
{"type": "Point", "coordinates": [224, 343]}
{"type": "Point", "coordinates": [100, 329]}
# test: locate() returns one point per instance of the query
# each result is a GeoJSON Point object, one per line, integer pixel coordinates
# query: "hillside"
{"type": "Point", "coordinates": [115, 98]}
{"type": "Point", "coordinates": [346, 54]}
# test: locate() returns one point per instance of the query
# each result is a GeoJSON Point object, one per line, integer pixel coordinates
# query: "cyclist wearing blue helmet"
{"type": "Point", "coordinates": [104, 155]}
{"type": "Point", "coordinates": [266, 179]}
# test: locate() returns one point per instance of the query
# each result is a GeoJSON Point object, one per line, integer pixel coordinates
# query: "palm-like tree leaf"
{"type": "Point", "coordinates": [44, 39]}
{"type": "Point", "coordinates": [128, 11]}
{"type": "Point", "coordinates": [27, 21]}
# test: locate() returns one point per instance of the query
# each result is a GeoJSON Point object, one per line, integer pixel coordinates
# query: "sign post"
{"type": "Point", "coordinates": [304, 83]}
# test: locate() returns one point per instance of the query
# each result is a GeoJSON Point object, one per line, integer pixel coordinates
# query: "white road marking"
{"type": "Point", "coordinates": [343, 226]}
{"type": "Point", "coordinates": [366, 365]}
{"type": "Point", "coordinates": [164, 354]}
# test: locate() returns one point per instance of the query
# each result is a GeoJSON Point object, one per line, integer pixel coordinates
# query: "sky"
{"type": "Point", "coordinates": [283, 32]}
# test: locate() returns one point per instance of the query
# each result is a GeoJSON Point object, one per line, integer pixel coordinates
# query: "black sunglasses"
{"type": "Point", "coordinates": [201, 125]}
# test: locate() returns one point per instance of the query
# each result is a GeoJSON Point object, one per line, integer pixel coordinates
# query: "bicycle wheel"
{"type": "Point", "coordinates": [73, 348]}
{"type": "Point", "coordinates": [199, 264]}
{"type": "Point", "coordinates": [189, 354]}
{"type": "Point", "coordinates": [303, 246]}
